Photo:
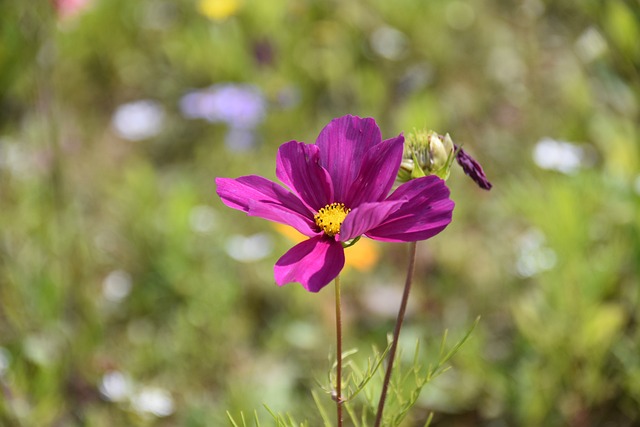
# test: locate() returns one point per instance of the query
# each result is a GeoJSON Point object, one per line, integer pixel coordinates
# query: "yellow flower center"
{"type": "Point", "coordinates": [331, 217]}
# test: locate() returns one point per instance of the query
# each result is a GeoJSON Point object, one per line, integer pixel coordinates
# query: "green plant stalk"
{"type": "Point", "coordinates": [396, 333]}
{"type": "Point", "coordinates": [338, 391]}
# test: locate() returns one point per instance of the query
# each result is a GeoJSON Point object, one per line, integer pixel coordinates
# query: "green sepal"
{"type": "Point", "coordinates": [445, 171]}
{"type": "Point", "coordinates": [417, 171]}
{"type": "Point", "coordinates": [350, 242]}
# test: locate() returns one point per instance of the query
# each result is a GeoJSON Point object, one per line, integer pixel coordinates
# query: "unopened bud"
{"type": "Point", "coordinates": [440, 151]}
{"type": "Point", "coordinates": [472, 168]}
{"type": "Point", "coordinates": [426, 153]}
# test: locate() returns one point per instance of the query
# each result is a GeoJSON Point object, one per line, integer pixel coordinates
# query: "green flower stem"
{"type": "Point", "coordinates": [396, 333]}
{"type": "Point", "coordinates": [338, 392]}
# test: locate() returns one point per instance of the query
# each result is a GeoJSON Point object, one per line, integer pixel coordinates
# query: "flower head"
{"type": "Point", "coordinates": [338, 191]}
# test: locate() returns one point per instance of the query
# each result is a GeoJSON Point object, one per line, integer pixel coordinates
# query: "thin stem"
{"type": "Point", "coordinates": [396, 333]}
{"type": "Point", "coordinates": [338, 395]}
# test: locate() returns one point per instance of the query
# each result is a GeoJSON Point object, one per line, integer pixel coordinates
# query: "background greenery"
{"type": "Point", "coordinates": [129, 295]}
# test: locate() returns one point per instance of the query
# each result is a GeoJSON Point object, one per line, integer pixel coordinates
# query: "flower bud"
{"type": "Point", "coordinates": [426, 153]}
{"type": "Point", "coordinates": [440, 151]}
{"type": "Point", "coordinates": [472, 168]}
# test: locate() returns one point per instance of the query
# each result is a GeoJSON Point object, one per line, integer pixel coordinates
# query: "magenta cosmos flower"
{"type": "Point", "coordinates": [338, 189]}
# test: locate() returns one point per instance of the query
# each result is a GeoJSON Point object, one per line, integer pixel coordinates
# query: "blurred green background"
{"type": "Point", "coordinates": [129, 295]}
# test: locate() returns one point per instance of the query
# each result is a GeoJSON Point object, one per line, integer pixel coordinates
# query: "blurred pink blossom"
{"type": "Point", "coordinates": [69, 8]}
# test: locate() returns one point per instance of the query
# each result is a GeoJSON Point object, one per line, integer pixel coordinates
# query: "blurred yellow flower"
{"type": "Point", "coordinates": [362, 256]}
{"type": "Point", "coordinates": [218, 10]}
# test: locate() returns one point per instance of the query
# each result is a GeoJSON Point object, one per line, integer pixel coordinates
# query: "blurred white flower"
{"type": "Point", "coordinates": [11, 157]}
{"type": "Point", "coordinates": [389, 43]}
{"type": "Point", "coordinates": [153, 400]}
{"type": "Point", "coordinates": [591, 45]}
{"type": "Point", "coordinates": [561, 156]}
{"type": "Point", "coordinates": [533, 256]}
{"type": "Point", "coordinates": [115, 386]}
{"type": "Point", "coordinates": [116, 286]}
{"type": "Point", "coordinates": [138, 120]}
{"type": "Point", "coordinates": [505, 65]}
{"type": "Point", "coordinates": [202, 219]}
{"type": "Point", "coordinates": [15, 158]}
{"type": "Point", "coordinates": [250, 248]}
{"type": "Point", "coordinates": [384, 300]}
{"type": "Point", "coordinates": [302, 334]}
{"type": "Point", "coordinates": [118, 387]}
{"type": "Point", "coordinates": [42, 349]}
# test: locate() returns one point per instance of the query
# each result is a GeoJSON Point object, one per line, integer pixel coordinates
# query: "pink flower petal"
{"type": "Point", "coordinates": [427, 212]}
{"type": "Point", "coordinates": [298, 167]}
{"type": "Point", "coordinates": [343, 144]}
{"type": "Point", "coordinates": [258, 196]}
{"type": "Point", "coordinates": [378, 172]}
{"type": "Point", "coordinates": [283, 215]}
{"type": "Point", "coordinates": [365, 217]}
{"type": "Point", "coordinates": [313, 263]}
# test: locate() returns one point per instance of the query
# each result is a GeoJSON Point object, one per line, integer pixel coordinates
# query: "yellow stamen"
{"type": "Point", "coordinates": [331, 217]}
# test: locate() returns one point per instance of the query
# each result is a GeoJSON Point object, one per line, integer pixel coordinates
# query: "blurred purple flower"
{"type": "Point", "coordinates": [241, 107]}
{"type": "Point", "coordinates": [238, 105]}
{"type": "Point", "coordinates": [339, 191]}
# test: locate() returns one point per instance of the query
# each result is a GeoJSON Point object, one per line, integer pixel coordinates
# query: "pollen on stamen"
{"type": "Point", "coordinates": [331, 217]}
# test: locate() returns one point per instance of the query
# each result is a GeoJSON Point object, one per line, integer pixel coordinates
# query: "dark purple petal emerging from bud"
{"type": "Point", "coordinates": [472, 168]}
